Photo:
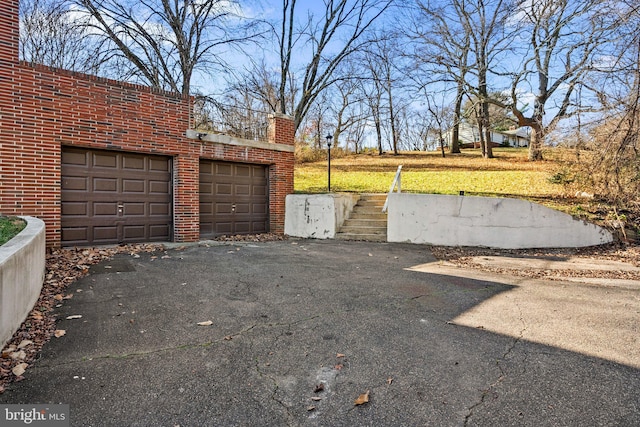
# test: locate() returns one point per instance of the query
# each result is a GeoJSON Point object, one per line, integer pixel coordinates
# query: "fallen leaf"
{"type": "Point", "coordinates": [68, 296]}
{"type": "Point", "coordinates": [338, 367]}
{"type": "Point", "coordinates": [311, 408]}
{"type": "Point", "coordinates": [207, 323]}
{"type": "Point", "coordinates": [24, 343]}
{"type": "Point", "coordinates": [58, 297]}
{"type": "Point", "coordinates": [339, 355]}
{"type": "Point", "coordinates": [19, 355]}
{"type": "Point", "coordinates": [362, 399]}
{"type": "Point", "coordinates": [319, 388]}
{"type": "Point", "coordinates": [389, 381]}
{"type": "Point", "coordinates": [370, 254]}
{"type": "Point", "coordinates": [316, 398]}
{"type": "Point", "coordinates": [228, 338]}
{"type": "Point", "coordinates": [75, 316]}
{"type": "Point", "coordinates": [59, 333]}
{"type": "Point", "coordinates": [19, 369]}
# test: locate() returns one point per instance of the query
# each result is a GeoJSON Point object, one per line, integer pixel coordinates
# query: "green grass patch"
{"type": "Point", "coordinates": [9, 227]}
{"type": "Point", "coordinates": [509, 174]}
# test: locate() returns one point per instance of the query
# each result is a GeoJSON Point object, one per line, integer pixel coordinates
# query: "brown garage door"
{"type": "Point", "coordinates": [114, 197]}
{"type": "Point", "coordinates": [234, 199]}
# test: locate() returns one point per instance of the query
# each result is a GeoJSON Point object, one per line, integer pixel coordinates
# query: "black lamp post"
{"type": "Point", "coordinates": [329, 138]}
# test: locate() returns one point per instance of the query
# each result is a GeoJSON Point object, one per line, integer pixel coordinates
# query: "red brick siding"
{"type": "Point", "coordinates": [43, 109]}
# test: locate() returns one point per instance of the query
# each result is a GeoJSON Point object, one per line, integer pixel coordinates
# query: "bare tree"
{"type": "Point", "coordinates": [49, 35]}
{"type": "Point", "coordinates": [610, 166]}
{"type": "Point", "coordinates": [442, 44]}
{"type": "Point", "coordinates": [564, 38]}
{"type": "Point", "coordinates": [163, 43]}
{"type": "Point", "coordinates": [321, 45]}
{"type": "Point", "coordinates": [348, 111]}
{"type": "Point", "coordinates": [485, 22]}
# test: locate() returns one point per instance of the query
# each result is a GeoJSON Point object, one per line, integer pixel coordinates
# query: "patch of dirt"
{"type": "Point", "coordinates": [63, 267]}
{"type": "Point", "coordinates": [627, 253]}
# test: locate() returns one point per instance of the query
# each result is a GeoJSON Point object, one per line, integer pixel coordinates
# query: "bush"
{"type": "Point", "coordinates": [306, 154]}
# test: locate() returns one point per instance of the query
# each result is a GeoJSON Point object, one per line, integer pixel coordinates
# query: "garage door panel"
{"type": "Point", "coordinates": [74, 233]}
{"type": "Point", "coordinates": [133, 209]}
{"type": "Point", "coordinates": [105, 160]}
{"type": "Point", "coordinates": [158, 232]}
{"type": "Point", "coordinates": [243, 208]}
{"type": "Point", "coordinates": [243, 189]}
{"type": "Point", "coordinates": [133, 232]}
{"type": "Point", "coordinates": [159, 165]}
{"type": "Point", "coordinates": [133, 162]}
{"type": "Point", "coordinates": [223, 208]}
{"type": "Point", "coordinates": [118, 205]}
{"type": "Point", "coordinates": [259, 208]}
{"type": "Point", "coordinates": [133, 185]}
{"type": "Point", "coordinates": [228, 193]}
{"type": "Point", "coordinates": [105, 209]}
{"type": "Point", "coordinates": [105, 184]}
{"type": "Point", "coordinates": [259, 190]}
{"type": "Point", "coordinates": [75, 158]}
{"type": "Point", "coordinates": [259, 227]}
{"type": "Point", "coordinates": [75, 208]}
{"type": "Point", "coordinates": [224, 169]}
{"type": "Point", "coordinates": [75, 183]}
{"type": "Point", "coordinates": [105, 234]}
{"type": "Point", "coordinates": [226, 189]}
{"type": "Point", "coordinates": [159, 187]}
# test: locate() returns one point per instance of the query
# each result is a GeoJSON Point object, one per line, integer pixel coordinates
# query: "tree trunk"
{"type": "Point", "coordinates": [536, 143]}
{"type": "Point", "coordinates": [455, 133]}
{"type": "Point", "coordinates": [379, 135]}
{"type": "Point", "coordinates": [487, 150]}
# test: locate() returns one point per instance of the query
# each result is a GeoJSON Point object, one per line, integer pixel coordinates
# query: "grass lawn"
{"type": "Point", "coordinates": [9, 227]}
{"type": "Point", "coordinates": [509, 174]}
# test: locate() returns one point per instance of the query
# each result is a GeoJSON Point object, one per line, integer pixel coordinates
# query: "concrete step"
{"type": "Point", "coordinates": [371, 203]}
{"type": "Point", "coordinates": [362, 237]}
{"type": "Point", "coordinates": [379, 216]}
{"type": "Point", "coordinates": [363, 230]}
{"type": "Point", "coordinates": [366, 222]}
{"type": "Point", "coordinates": [367, 209]}
{"type": "Point", "coordinates": [382, 197]}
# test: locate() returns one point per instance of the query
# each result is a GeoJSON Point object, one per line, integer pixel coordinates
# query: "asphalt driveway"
{"type": "Point", "coordinates": [294, 331]}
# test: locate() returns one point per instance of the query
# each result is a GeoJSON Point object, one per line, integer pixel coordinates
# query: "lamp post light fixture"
{"type": "Point", "coordinates": [329, 137]}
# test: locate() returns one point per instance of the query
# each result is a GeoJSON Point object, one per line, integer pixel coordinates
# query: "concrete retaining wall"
{"type": "Point", "coordinates": [488, 222]}
{"type": "Point", "coordinates": [22, 268]}
{"type": "Point", "coordinates": [317, 216]}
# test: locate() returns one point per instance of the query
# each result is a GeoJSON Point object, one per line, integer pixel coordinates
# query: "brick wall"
{"type": "Point", "coordinates": [43, 109]}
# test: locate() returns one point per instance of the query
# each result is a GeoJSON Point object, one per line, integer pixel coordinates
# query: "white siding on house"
{"type": "Point", "coordinates": [469, 134]}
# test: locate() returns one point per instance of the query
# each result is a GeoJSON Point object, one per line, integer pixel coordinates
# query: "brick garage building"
{"type": "Point", "coordinates": [101, 161]}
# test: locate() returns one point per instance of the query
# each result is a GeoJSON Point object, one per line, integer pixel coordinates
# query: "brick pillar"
{"type": "Point", "coordinates": [186, 225]}
{"type": "Point", "coordinates": [9, 31]}
{"type": "Point", "coordinates": [281, 131]}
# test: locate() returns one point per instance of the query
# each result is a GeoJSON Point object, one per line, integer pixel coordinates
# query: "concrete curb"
{"type": "Point", "coordinates": [22, 267]}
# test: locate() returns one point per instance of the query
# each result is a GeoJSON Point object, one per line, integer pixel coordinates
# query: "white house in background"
{"type": "Point", "coordinates": [469, 136]}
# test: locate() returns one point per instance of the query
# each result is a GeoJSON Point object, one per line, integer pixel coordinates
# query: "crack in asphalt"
{"type": "Point", "coordinates": [503, 374]}
{"type": "Point", "coordinates": [187, 346]}
{"type": "Point", "coordinates": [274, 392]}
